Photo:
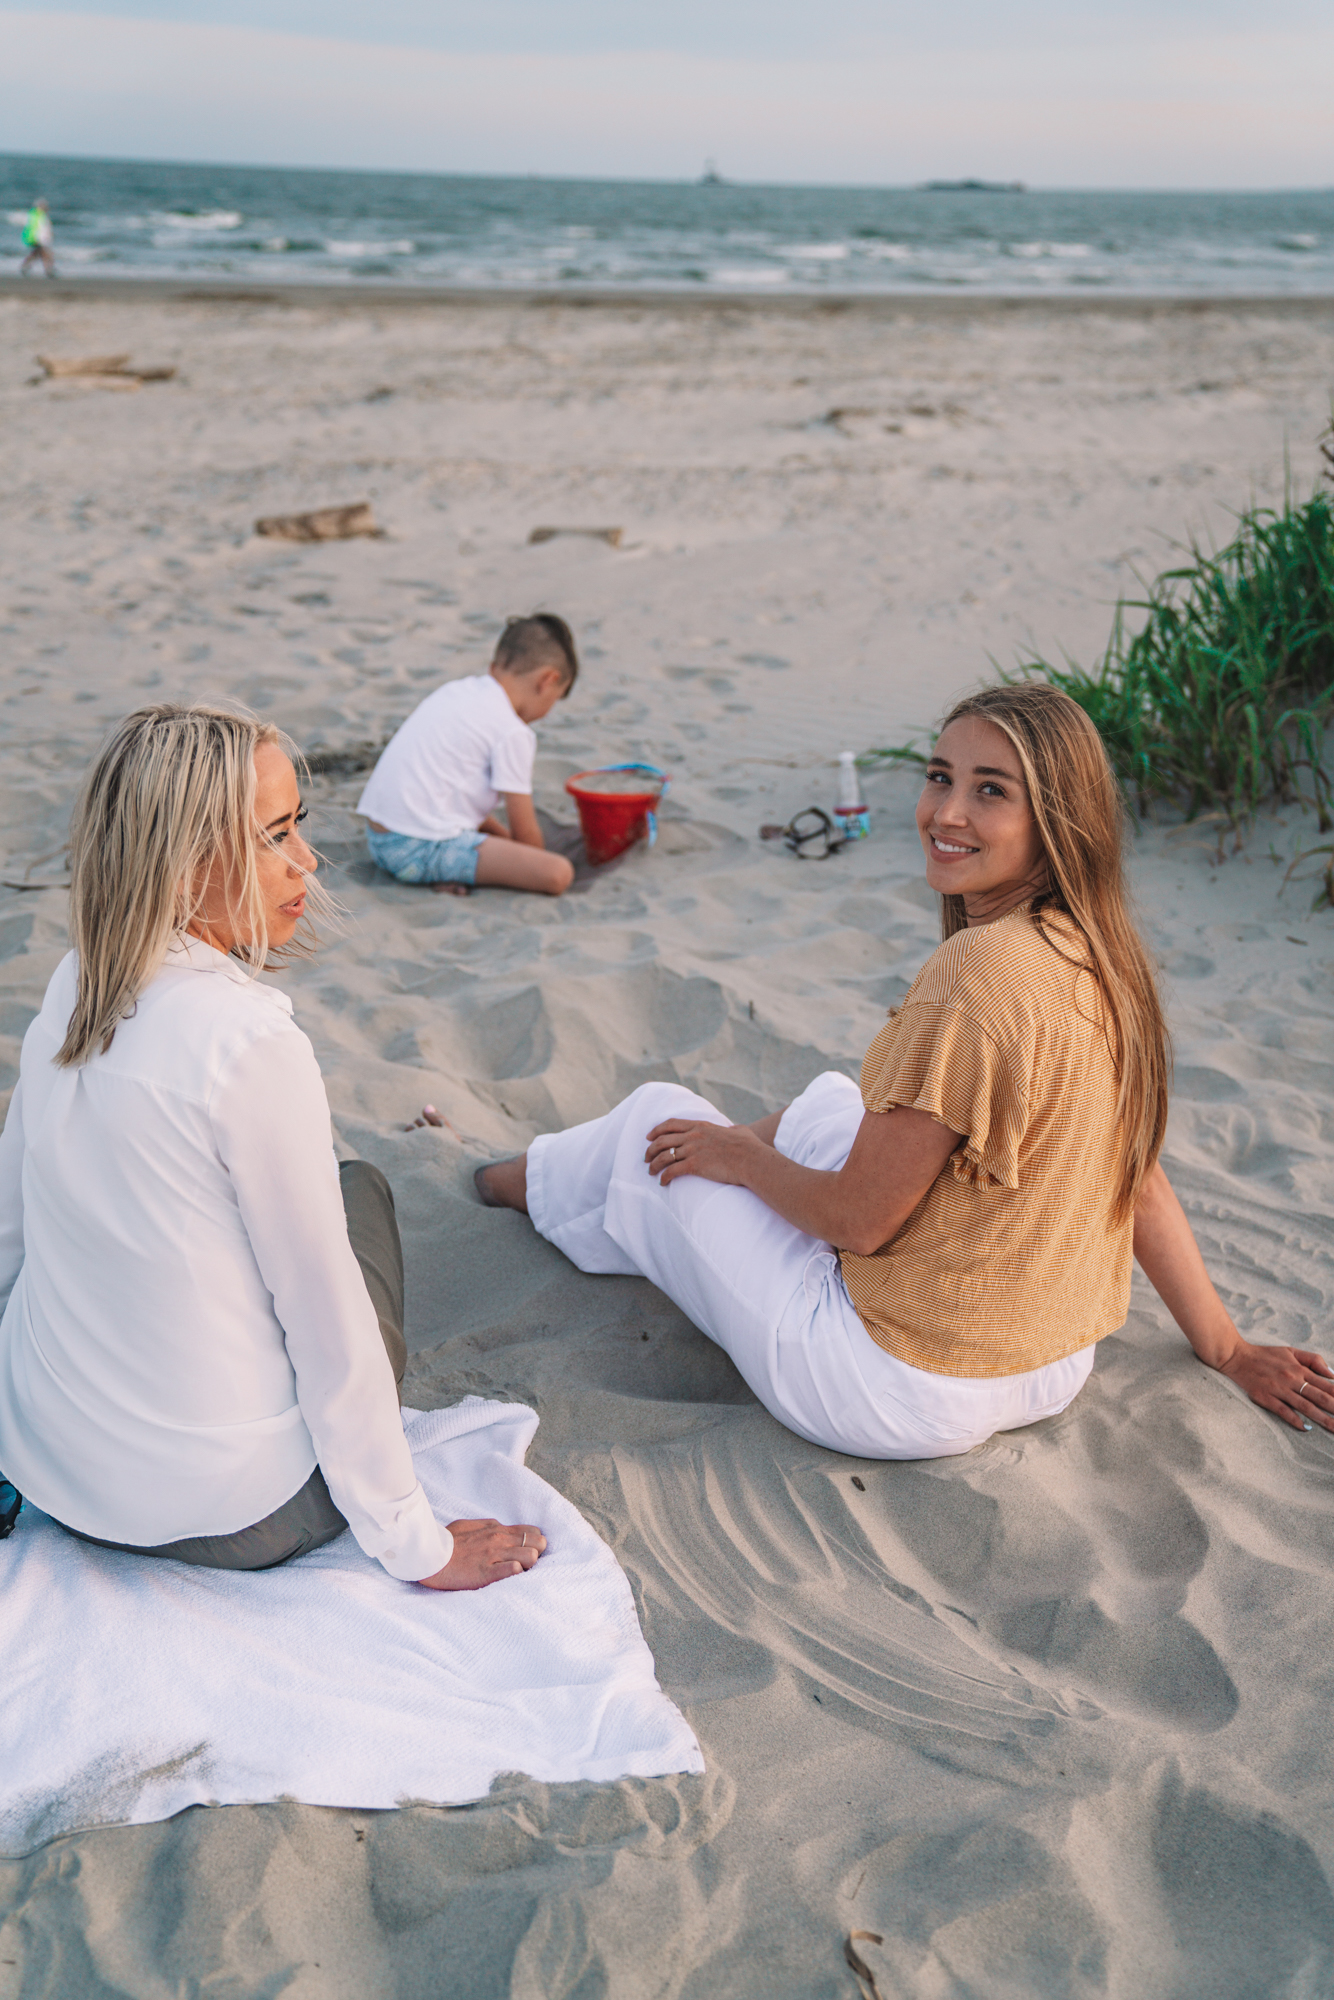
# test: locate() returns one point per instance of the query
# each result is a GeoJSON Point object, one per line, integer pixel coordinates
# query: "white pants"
{"type": "Point", "coordinates": [771, 1296]}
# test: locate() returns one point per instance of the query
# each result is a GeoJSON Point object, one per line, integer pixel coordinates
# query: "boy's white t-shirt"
{"type": "Point", "coordinates": [445, 769]}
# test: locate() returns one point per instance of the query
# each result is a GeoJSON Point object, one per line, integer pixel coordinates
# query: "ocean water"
{"type": "Point", "coordinates": [127, 219]}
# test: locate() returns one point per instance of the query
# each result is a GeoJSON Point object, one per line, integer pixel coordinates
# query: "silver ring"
{"type": "Point", "coordinates": [672, 1151]}
{"type": "Point", "coordinates": [524, 1543]}
{"type": "Point", "coordinates": [1301, 1388]}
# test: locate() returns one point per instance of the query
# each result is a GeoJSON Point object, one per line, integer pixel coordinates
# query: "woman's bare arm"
{"type": "Point", "coordinates": [894, 1159]}
{"type": "Point", "coordinates": [1277, 1378]}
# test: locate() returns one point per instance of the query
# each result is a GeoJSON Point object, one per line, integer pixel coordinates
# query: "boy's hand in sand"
{"type": "Point", "coordinates": [486, 1551]}
{"type": "Point", "coordinates": [1292, 1383]}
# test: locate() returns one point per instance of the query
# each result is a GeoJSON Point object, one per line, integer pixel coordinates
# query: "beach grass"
{"type": "Point", "coordinates": [1220, 697]}
{"type": "Point", "coordinates": [1216, 691]}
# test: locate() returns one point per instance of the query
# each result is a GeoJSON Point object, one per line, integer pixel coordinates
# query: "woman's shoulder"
{"type": "Point", "coordinates": [197, 989]}
{"type": "Point", "coordinates": [62, 985]}
{"type": "Point", "coordinates": [57, 1005]}
{"type": "Point", "coordinates": [993, 969]}
{"type": "Point", "coordinates": [198, 1012]}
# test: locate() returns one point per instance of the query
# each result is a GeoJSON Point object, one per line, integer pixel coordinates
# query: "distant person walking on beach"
{"type": "Point", "coordinates": [901, 1270]}
{"type": "Point", "coordinates": [38, 237]}
{"type": "Point", "coordinates": [430, 804]}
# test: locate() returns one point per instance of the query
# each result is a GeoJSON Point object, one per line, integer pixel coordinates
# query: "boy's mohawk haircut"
{"type": "Point", "coordinates": [526, 644]}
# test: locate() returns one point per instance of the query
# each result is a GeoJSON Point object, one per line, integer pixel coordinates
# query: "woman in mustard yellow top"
{"type": "Point", "coordinates": [901, 1271]}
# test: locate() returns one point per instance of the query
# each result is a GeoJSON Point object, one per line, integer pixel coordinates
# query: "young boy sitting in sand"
{"type": "Point", "coordinates": [431, 800]}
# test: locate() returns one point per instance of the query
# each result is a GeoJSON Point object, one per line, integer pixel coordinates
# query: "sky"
{"type": "Point", "coordinates": [1058, 93]}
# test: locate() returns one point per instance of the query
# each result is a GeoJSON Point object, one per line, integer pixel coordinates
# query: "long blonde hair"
{"type": "Point", "coordinates": [1081, 822]}
{"type": "Point", "coordinates": [172, 791]}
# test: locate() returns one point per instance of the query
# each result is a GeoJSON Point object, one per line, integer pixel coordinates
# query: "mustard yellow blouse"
{"type": "Point", "coordinates": [1011, 1260]}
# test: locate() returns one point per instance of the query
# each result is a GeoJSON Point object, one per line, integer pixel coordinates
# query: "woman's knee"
{"type": "Point", "coordinates": [660, 1101]}
{"type": "Point", "coordinates": [818, 1128]}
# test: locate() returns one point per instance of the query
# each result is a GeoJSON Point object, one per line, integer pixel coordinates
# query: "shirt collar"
{"type": "Point", "coordinates": [192, 951]}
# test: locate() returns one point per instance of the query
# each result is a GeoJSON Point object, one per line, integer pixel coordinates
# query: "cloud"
{"type": "Point", "coordinates": [1237, 109]}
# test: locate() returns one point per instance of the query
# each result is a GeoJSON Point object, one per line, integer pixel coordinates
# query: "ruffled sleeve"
{"type": "Point", "coordinates": [936, 1058]}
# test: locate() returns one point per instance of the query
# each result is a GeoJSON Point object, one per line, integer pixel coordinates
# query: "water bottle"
{"type": "Point", "coordinates": [851, 817]}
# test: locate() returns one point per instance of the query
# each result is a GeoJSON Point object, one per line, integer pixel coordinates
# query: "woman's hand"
{"type": "Point", "coordinates": [1287, 1381]}
{"type": "Point", "coordinates": [1292, 1383]}
{"type": "Point", "coordinates": [484, 1552]}
{"type": "Point", "coordinates": [894, 1159]}
{"type": "Point", "coordinates": [714, 1152]}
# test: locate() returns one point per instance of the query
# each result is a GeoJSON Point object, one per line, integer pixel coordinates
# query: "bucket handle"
{"type": "Point", "coordinates": [653, 772]}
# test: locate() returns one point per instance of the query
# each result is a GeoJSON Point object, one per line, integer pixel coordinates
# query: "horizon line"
{"type": "Point", "coordinates": [1015, 186]}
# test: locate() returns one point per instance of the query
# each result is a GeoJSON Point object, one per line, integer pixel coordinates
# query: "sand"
{"type": "Point", "coordinates": [1048, 1719]}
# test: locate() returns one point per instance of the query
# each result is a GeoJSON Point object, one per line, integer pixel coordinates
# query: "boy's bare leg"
{"type": "Point", "coordinates": [504, 1184]}
{"type": "Point", "coordinates": [510, 864]}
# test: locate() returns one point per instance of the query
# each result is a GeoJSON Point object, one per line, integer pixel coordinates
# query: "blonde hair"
{"type": "Point", "coordinates": [1081, 823]}
{"type": "Point", "coordinates": [173, 790]}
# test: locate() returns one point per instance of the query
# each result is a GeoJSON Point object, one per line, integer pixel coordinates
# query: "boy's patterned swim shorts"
{"type": "Point", "coordinates": [413, 860]}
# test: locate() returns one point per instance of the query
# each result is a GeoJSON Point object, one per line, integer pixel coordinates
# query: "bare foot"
{"type": "Point", "coordinates": [430, 1116]}
{"type": "Point", "coordinates": [504, 1184]}
{"type": "Point", "coordinates": [450, 889]}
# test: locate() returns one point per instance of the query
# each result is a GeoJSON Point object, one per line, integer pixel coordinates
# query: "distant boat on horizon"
{"type": "Point", "coordinates": [972, 187]}
{"type": "Point", "coordinates": [711, 178]}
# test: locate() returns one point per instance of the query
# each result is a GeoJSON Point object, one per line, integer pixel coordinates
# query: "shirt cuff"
{"type": "Point", "coordinates": [414, 1545]}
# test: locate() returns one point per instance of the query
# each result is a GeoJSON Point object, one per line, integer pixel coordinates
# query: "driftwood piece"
{"type": "Point", "coordinates": [609, 535]}
{"type": "Point", "coordinates": [105, 370]}
{"type": "Point", "coordinates": [36, 873]}
{"type": "Point", "coordinates": [121, 382]}
{"type": "Point", "coordinates": [91, 364]}
{"type": "Point", "coordinates": [323, 524]}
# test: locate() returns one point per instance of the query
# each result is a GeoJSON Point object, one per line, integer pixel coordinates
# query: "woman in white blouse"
{"type": "Point", "coordinates": [203, 1326]}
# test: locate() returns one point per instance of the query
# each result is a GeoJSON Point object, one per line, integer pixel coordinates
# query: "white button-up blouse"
{"type": "Point", "coordinates": [187, 1331]}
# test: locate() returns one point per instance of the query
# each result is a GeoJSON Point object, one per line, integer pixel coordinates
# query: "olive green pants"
{"type": "Point", "coordinates": [309, 1518]}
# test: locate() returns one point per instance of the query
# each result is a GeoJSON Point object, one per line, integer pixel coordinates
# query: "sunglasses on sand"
{"type": "Point", "coordinates": [811, 836]}
{"type": "Point", "coordinates": [10, 1502]}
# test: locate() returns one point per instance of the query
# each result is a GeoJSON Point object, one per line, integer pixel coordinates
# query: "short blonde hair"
{"type": "Point", "coordinates": [173, 789]}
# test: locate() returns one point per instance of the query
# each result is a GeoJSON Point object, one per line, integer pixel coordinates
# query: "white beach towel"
{"type": "Point", "coordinates": [130, 1688]}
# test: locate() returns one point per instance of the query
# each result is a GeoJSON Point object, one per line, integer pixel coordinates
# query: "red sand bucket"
{"type": "Point", "coordinates": [617, 807]}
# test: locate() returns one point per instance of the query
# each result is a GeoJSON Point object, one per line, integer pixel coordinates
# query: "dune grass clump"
{"type": "Point", "coordinates": [1221, 699]}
